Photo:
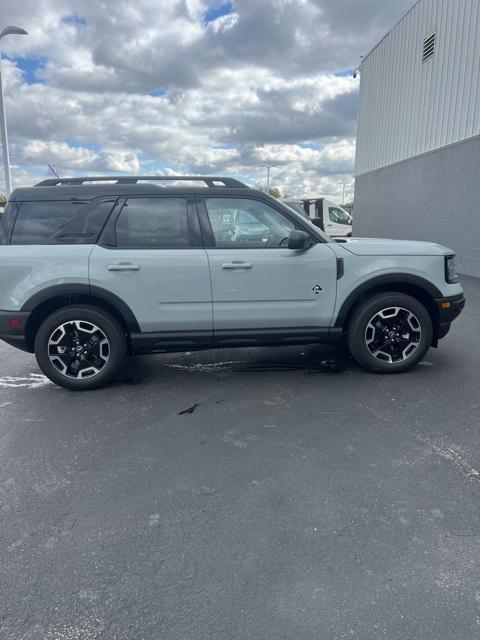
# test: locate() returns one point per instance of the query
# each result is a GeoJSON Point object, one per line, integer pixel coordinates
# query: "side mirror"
{"type": "Point", "coordinates": [318, 222]}
{"type": "Point", "coordinates": [298, 240]}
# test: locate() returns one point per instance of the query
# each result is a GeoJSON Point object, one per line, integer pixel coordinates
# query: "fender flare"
{"type": "Point", "coordinates": [386, 279]}
{"type": "Point", "coordinates": [79, 289]}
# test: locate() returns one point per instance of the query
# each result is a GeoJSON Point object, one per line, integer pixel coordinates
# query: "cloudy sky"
{"type": "Point", "coordinates": [189, 86]}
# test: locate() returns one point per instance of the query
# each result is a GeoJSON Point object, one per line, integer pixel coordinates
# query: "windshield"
{"type": "Point", "coordinates": [339, 216]}
{"type": "Point", "coordinates": [245, 218]}
{"type": "Point", "coordinates": [296, 206]}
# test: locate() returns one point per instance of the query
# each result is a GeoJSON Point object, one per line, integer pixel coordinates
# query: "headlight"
{"type": "Point", "coordinates": [451, 275]}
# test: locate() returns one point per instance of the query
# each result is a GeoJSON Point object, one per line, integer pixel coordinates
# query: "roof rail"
{"type": "Point", "coordinates": [210, 181]}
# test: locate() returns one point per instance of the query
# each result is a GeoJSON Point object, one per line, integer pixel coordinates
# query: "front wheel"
{"type": "Point", "coordinates": [80, 347]}
{"type": "Point", "coordinates": [390, 333]}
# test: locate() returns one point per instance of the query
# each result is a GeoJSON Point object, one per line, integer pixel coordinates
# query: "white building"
{"type": "Point", "coordinates": [418, 141]}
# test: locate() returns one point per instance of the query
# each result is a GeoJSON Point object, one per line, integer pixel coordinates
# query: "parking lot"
{"type": "Point", "coordinates": [257, 493]}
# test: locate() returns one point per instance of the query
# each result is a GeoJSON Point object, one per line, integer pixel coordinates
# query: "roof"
{"type": "Point", "coordinates": [87, 188]}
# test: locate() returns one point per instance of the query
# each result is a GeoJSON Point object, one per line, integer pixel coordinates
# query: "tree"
{"type": "Point", "coordinates": [275, 192]}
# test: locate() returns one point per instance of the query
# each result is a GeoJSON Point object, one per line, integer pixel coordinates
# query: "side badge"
{"type": "Point", "coordinates": [316, 289]}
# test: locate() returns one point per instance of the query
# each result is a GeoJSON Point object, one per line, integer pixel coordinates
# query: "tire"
{"type": "Point", "coordinates": [389, 333]}
{"type": "Point", "coordinates": [72, 332]}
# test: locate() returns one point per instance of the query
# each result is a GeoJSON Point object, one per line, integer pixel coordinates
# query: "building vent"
{"type": "Point", "coordinates": [428, 46]}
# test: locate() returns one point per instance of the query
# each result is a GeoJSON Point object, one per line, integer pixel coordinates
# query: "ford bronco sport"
{"type": "Point", "coordinates": [95, 269]}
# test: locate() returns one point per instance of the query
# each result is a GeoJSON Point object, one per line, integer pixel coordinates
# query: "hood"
{"type": "Point", "coordinates": [386, 247]}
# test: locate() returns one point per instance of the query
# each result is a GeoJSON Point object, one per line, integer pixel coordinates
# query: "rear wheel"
{"type": "Point", "coordinates": [80, 347]}
{"type": "Point", "coordinates": [390, 333]}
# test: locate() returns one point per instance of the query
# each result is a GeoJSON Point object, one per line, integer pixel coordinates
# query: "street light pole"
{"type": "Point", "coordinates": [3, 120]}
{"type": "Point", "coordinates": [3, 127]}
{"type": "Point", "coordinates": [268, 166]}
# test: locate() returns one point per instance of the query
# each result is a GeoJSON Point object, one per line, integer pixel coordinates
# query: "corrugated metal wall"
{"type": "Point", "coordinates": [408, 107]}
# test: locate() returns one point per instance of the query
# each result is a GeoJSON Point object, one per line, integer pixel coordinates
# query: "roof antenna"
{"type": "Point", "coordinates": [52, 169]}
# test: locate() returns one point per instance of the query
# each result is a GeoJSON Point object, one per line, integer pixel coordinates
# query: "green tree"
{"type": "Point", "coordinates": [275, 192]}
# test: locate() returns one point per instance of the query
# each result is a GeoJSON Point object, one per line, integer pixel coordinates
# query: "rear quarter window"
{"type": "Point", "coordinates": [7, 220]}
{"type": "Point", "coordinates": [60, 222]}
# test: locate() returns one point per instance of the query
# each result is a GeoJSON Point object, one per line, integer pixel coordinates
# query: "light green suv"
{"type": "Point", "coordinates": [95, 269]}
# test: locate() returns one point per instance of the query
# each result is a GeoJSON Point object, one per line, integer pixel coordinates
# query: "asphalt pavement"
{"type": "Point", "coordinates": [259, 494]}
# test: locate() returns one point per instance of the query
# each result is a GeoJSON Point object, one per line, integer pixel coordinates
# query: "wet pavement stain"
{"type": "Point", "coordinates": [189, 410]}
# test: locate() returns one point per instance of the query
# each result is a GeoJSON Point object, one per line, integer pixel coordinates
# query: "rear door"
{"type": "Point", "coordinates": [259, 286]}
{"type": "Point", "coordinates": [151, 257]}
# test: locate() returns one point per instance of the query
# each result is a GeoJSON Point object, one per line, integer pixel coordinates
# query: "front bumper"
{"type": "Point", "coordinates": [448, 309]}
{"type": "Point", "coordinates": [12, 328]}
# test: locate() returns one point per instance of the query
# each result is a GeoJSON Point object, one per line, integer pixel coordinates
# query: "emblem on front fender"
{"type": "Point", "coordinates": [316, 289]}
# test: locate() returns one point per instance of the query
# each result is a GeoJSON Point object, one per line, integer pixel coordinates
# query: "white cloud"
{"type": "Point", "coordinates": [40, 151]}
{"type": "Point", "coordinates": [251, 88]}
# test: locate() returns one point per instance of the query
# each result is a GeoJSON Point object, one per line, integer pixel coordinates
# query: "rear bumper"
{"type": "Point", "coordinates": [448, 309]}
{"type": "Point", "coordinates": [12, 328]}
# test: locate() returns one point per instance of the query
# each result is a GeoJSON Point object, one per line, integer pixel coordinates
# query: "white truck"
{"type": "Point", "coordinates": [324, 214]}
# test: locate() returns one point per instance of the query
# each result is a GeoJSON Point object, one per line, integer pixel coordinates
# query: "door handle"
{"type": "Point", "coordinates": [236, 265]}
{"type": "Point", "coordinates": [124, 266]}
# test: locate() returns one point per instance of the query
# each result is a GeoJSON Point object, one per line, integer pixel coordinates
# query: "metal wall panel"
{"type": "Point", "coordinates": [409, 107]}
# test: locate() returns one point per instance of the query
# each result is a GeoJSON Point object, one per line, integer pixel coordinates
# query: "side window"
{"type": "Point", "coordinates": [153, 223]}
{"type": "Point", "coordinates": [86, 225]}
{"type": "Point", "coordinates": [244, 223]}
{"type": "Point", "coordinates": [338, 216]}
{"type": "Point", "coordinates": [7, 218]}
{"type": "Point", "coordinates": [37, 222]}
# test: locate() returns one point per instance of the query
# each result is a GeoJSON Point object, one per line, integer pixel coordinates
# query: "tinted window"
{"type": "Point", "coordinates": [240, 222]}
{"type": "Point", "coordinates": [86, 225]}
{"type": "Point", "coordinates": [7, 218]}
{"type": "Point", "coordinates": [37, 222]}
{"type": "Point", "coordinates": [153, 223]}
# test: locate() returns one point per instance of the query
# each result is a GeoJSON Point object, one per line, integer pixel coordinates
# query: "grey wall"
{"type": "Point", "coordinates": [435, 197]}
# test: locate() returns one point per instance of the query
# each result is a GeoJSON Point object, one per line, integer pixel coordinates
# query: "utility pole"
{"type": "Point", "coordinates": [343, 197]}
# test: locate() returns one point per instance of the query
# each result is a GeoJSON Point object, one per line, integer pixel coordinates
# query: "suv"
{"type": "Point", "coordinates": [95, 269]}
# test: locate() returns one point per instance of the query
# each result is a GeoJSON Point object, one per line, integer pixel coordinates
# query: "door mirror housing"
{"type": "Point", "coordinates": [298, 240]}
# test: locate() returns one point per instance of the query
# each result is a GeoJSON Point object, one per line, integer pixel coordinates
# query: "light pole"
{"type": "Point", "coordinates": [268, 166]}
{"type": "Point", "coordinates": [3, 121]}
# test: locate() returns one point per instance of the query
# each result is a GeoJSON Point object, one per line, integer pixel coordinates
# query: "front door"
{"type": "Point", "coordinates": [337, 221]}
{"type": "Point", "coordinates": [151, 257]}
{"type": "Point", "coordinates": [258, 284]}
